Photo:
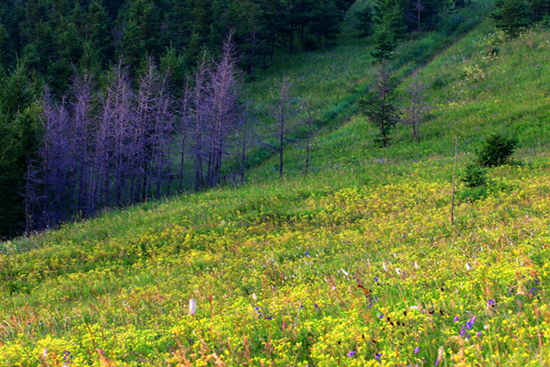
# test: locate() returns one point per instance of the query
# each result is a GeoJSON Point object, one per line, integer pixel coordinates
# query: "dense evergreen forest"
{"type": "Point", "coordinates": [108, 103]}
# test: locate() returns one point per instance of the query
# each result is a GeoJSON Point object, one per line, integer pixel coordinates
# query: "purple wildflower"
{"type": "Point", "coordinates": [378, 356]}
{"type": "Point", "coordinates": [491, 302]}
{"type": "Point", "coordinates": [455, 319]}
{"type": "Point", "coordinates": [470, 324]}
{"type": "Point", "coordinates": [416, 350]}
{"type": "Point", "coordinates": [351, 354]}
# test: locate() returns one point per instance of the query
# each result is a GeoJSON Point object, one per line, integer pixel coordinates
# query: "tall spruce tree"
{"type": "Point", "coordinates": [391, 27]}
{"type": "Point", "coordinates": [379, 105]}
{"type": "Point", "coordinates": [19, 133]}
{"type": "Point", "coordinates": [512, 16]}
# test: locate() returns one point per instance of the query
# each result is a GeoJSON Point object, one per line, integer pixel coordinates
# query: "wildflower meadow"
{"type": "Point", "coordinates": [354, 264]}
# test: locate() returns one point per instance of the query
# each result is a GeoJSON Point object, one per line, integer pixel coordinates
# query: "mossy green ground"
{"type": "Point", "coordinates": [354, 264]}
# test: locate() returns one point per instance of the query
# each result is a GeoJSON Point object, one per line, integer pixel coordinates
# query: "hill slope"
{"type": "Point", "coordinates": [356, 264]}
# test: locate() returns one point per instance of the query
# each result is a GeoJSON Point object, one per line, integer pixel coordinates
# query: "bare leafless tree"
{"type": "Point", "coordinates": [224, 114]}
{"type": "Point", "coordinates": [113, 146]}
{"type": "Point", "coordinates": [418, 108]}
{"type": "Point", "coordinates": [82, 108]}
{"type": "Point", "coordinates": [413, 13]}
{"type": "Point", "coordinates": [309, 119]}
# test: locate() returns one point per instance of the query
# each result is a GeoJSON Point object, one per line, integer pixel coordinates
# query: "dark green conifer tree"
{"type": "Point", "coordinates": [512, 16]}
{"type": "Point", "coordinates": [99, 35]}
{"type": "Point", "coordinates": [325, 20]}
{"type": "Point", "coordinates": [140, 26]}
{"type": "Point", "coordinates": [539, 9]}
{"type": "Point", "coordinates": [364, 20]}
{"type": "Point", "coordinates": [19, 131]}
{"type": "Point", "coordinates": [379, 105]}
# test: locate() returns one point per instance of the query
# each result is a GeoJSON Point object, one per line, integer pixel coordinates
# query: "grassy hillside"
{"type": "Point", "coordinates": [354, 264]}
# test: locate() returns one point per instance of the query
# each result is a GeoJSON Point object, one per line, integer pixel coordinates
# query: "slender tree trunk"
{"type": "Point", "coordinates": [454, 181]}
{"type": "Point", "coordinates": [309, 123]}
{"type": "Point", "coordinates": [243, 151]}
{"type": "Point", "coordinates": [281, 141]}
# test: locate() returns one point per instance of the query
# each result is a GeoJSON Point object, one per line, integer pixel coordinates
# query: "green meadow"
{"type": "Point", "coordinates": [354, 263]}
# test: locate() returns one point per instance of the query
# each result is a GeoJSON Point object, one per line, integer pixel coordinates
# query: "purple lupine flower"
{"type": "Point", "coordinates": [479, 334]}
{"type": "Point", "coordinates": [455, 320]}
{"type": "Point", "coordinates": [416, 350]}
{"type": "Point", "coordinates": [470, 324]}
{"type": "Point", "coordinates": [351, 354]}
{"type": "Point", "coordinates": [378, 356]}
{"type": "Point", "coordinates": [491, 302]}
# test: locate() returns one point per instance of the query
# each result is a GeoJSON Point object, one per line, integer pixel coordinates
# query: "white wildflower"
{"type": "Point", "coordinates": [468, 267]}
{"type": "Point", "coordinates": [254, 297]}
{"type": "Point", "coordinates": [398, 271]}
{"type": "Point", "coordinates": [384, 266]}
{"type": "Point", "coordinates": [415, 265]}
{"type": "Point", "coordinates": [345, 272]}
{"type": "Point", "coordinates": [192, 306]}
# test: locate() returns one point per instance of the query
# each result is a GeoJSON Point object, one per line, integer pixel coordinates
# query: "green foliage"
{"type": "Point", "coordinates": [141, 35]}
{"type": "Point", "coordinates": [326, 19]}
{"type": "Point", "coordinates": [512, 16]}
{"type": "Point", "coordinates": [472, 194]}
{"type": "Point", "coordinates": [539, 8]}
{"type": "Point", "coordinates": [384, 42]}
{"type": "Point", "coordinates": [379, 105]}
{"type": "Point", "coordinates": [99, 35]}
{"type": "Point", "coordinates": [364, 20]}
{"type": "Point", "coordinates": [474, 176]}
{"type": "Point", "coordinates": [390, 28]}
{"type": "Point", "coordinates": [496, 150]}
{"type": "Point", "coordinates": [4, 44]}
{"type": "Point", "coordinates": [19, 137]}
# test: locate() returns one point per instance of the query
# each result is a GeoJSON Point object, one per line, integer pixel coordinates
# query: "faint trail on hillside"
{"type": "Point", "coordinates": [343, 111]}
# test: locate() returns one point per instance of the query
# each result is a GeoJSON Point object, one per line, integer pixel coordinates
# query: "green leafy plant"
{"type": "Point", "coordinates": [474, 176]}
{"type": "Point", "coordinates": [496, 150]}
